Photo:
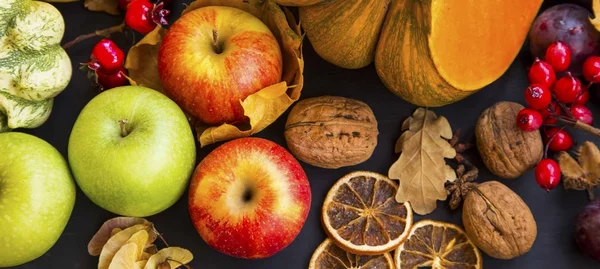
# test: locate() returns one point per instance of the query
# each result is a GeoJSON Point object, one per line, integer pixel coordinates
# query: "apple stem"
{"type": "Point", "coordinates": [216, 41]}
{"type": "Point", "coordinates": [122, 124]}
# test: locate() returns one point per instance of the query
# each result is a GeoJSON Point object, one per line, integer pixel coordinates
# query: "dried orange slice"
{"type": "Point", "coordinates": [361, 215]}
{"type": "Point", "coordinates": [329, 256]}
{"type": "Point", "coordinates": [437, 245]}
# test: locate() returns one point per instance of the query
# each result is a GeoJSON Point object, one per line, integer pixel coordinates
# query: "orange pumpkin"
{"type": "Point", "coordinates": [429, 52]}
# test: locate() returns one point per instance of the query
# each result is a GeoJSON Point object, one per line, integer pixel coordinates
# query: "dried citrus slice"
{"type": "Point", "coordinates": [362, 216]}
{"type": "Point", "coordinates": [329, 256]}
{"type": "Point", "coordinates": [437, 245]}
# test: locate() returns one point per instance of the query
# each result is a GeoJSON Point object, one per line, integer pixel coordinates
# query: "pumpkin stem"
{"type": "Point", "coordinates": [104, 32]}
{"type": "Point", "coordinates": [216, 42]}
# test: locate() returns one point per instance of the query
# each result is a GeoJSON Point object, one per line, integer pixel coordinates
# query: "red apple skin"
{"type": "Point", "coordinates": [209, 85]}
{"type": "Point", "coordinates": [274, 216]}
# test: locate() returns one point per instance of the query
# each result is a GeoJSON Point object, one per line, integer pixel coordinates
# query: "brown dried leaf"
{"type": "Point", "coordinates": [176, 257]}
{"type": "Point", "coordinates": [421, 168]}
{"type": "Point", "coordinates": [108, 6]}
{"type": "Point", "coordinates": [118, 240]}
{"type": "Point", "coordinates": [142, 60]}
{"type": "Point", "coordinates": [125, 257]}
{"type": "Point", "coordinates": [106, 231]}
{"type": "Point", "coordinates": [262, 107]}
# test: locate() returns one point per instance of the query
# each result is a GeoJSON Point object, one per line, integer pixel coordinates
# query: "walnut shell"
{"type": "Point", "coordinates": [506, 150]}
{"type": "Point", "coordinates": [331, 132]}
{"type": "Point", "coordinates": [498, 221]}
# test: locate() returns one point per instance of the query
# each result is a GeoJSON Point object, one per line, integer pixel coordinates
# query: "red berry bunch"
{"type": "Point", "coordinates": [107, 61]}
{"type": "Point", "coordinates": [553, 101]}
{"type": "Point", "coordinates": [143, 16]}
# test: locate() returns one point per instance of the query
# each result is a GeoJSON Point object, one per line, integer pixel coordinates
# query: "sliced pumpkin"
{"type": "Point", "coordinates": [344, 32]}
{"type": "Point", "coordinates": [429, 52]}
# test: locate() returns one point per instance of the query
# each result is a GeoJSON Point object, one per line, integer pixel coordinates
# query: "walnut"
{"type": "Point", "coordinates": [331, 132]}
{"type": "Point", "coordinates": [498, 221]}
{"type": "Point", "coordinates": [506, 150]}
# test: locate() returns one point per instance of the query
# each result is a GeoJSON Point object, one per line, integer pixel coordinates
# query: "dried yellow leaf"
{"type": "Point", "coordinates": [108, 229]}
{"type": "Point", "coordinates": [596, 9]}
{"type": "Point", "coordinates": [140, 264]}
{"type": "Point", "coordinates": [115, 231]}
{"type": "Point", "coordinates": [117, 241]}
{"type": "Point", "coordinates": [108, 6]}
{"type": "Point", "coordinates": [125, 257]}
{"type": "Point", "coordinates": [175, 256]}
{"type": "Point", "coordinates": [262, 107]}
{"type": "Point", "coordinates": [421, 168]}
{"type": "Point", "coordinates": [140, 239]}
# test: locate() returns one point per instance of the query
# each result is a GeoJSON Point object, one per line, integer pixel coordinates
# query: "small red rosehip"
{"type": "Point", "coordinates": [591, 69]}
{"type": "Point", "coordinates": [541, 73]}
{"type": "Point", "coordinates": [582, 113]}
{"type": "Point", "coordinates": [584, 96]}
{"type": "Point", "coordinates": [547, 174]}
{"type": "Point", "coordinates": [109, 81]}
{"type": "Point", "coordinates": [529, 120]}
{"type": "Point", "coordinates": [558, 139]}
{"type": "Point", "coordinates": [558, 55]}
{"type": "Point", "coordinates": [106, 55]}
{"type": "Point", "coordinates": [567, 89]}
{"type": "Point", "coordinates": [143, 16]}
{"type": "Point", "coordinates": [538, 96]}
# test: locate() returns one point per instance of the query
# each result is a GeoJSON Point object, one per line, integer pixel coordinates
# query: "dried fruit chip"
{"type": "Point", "coordinates": [361, 215]}
{"type": "Point", "coordinates": [125, 257]}
{"type": "Point", "coordinates": [113, 232]}
{"type": "Point", "coordinates": [329, 256]}
{"type": "Point", "coordinates": [108, 229]}
{"type": "Point", "coordinates": [117, 241]}
{"type": "Point", "coordinates": [149, 251]}
{"type": "Point", "coordinates": [140, 264]}
{"type": "Point", "coordinates": [437, 245]}
{"type": "Point", "coordinates": [174, 255]}
{"type": "Point", "coordinates": [140, 239]}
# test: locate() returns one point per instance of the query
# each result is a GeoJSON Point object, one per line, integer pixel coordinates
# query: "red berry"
{"type": "Point", "coordinates": [123, 4]}
{"type": "Point", "coordinates": [547, 174]}
{"type": "Point", "coordinates": [591, 69]}
{"type": "Point", "coordinates": [582, 113]}
{"type": "Point", "coordinates": [550, 113]}
{"type": "Point", "coordinates": [584, 96]}
{"type": "Point", "coordinates": [558, 55]}
{"type": "Point", "coordinates": [143, 16]}
{"type": "Point", "coordinates": [529, 120]}
{"type": "Point", "coordinates": [559, 139]}
{"type": "Point", "coordinates": [538, 96]}
{"type": "Point", "coordinates": [567, 89]}
{"type": "Point", "coordinates": [542, 73]}
{"type": "Point", "coordinates": [109, 81]}
{"type": "Point", "coordinates": [106, 55]}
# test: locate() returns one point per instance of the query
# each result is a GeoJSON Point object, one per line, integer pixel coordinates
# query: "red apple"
{"type": "Point", "coordinates": [212, 58]}
{"type": "Point", "coordinates": [249, 198]}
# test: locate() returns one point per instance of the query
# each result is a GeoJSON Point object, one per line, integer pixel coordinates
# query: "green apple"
{"type": "Point", "coordinates": [37, 195]}
{"type": "Point", "coordinates": [132, 151]}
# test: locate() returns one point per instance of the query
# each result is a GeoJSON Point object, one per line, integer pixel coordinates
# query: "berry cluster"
{"type": "Point", "coordinates": [556, 103]}
{"type": "Point", "coordinates": [143, 16]}
{"type": "Point", "coordinates": [107, 61]}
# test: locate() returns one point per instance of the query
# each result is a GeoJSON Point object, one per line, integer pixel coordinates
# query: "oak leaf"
{"type": "Point", "coordinates": [583, 174]}
{"type": "Point", "coordinates": [421, 168]}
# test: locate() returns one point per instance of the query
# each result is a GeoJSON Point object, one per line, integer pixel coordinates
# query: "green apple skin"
{"type": "Point", "coordinates": [142, 173]}
{"type": "Point", "coordinates": [37, 195]}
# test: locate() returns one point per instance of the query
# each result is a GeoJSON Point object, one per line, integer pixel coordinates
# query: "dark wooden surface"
{"type": "Point", "coordinates": [554, 212]}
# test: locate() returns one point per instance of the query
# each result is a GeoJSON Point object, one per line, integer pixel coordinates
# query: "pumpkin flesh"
{"type": "Point", "coordinates": [472, 43]}
{"type": "Point", "coordinates": [343, 32]}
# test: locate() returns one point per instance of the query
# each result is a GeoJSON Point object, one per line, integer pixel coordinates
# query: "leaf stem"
{"type": "Point", "coordinates": [104, 32]}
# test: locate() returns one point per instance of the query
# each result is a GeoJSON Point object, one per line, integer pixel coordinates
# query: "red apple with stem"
{"type": "Point", "coordinates": [249, 198]}
{"type": "Point", "coordinates": [213, 57]}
